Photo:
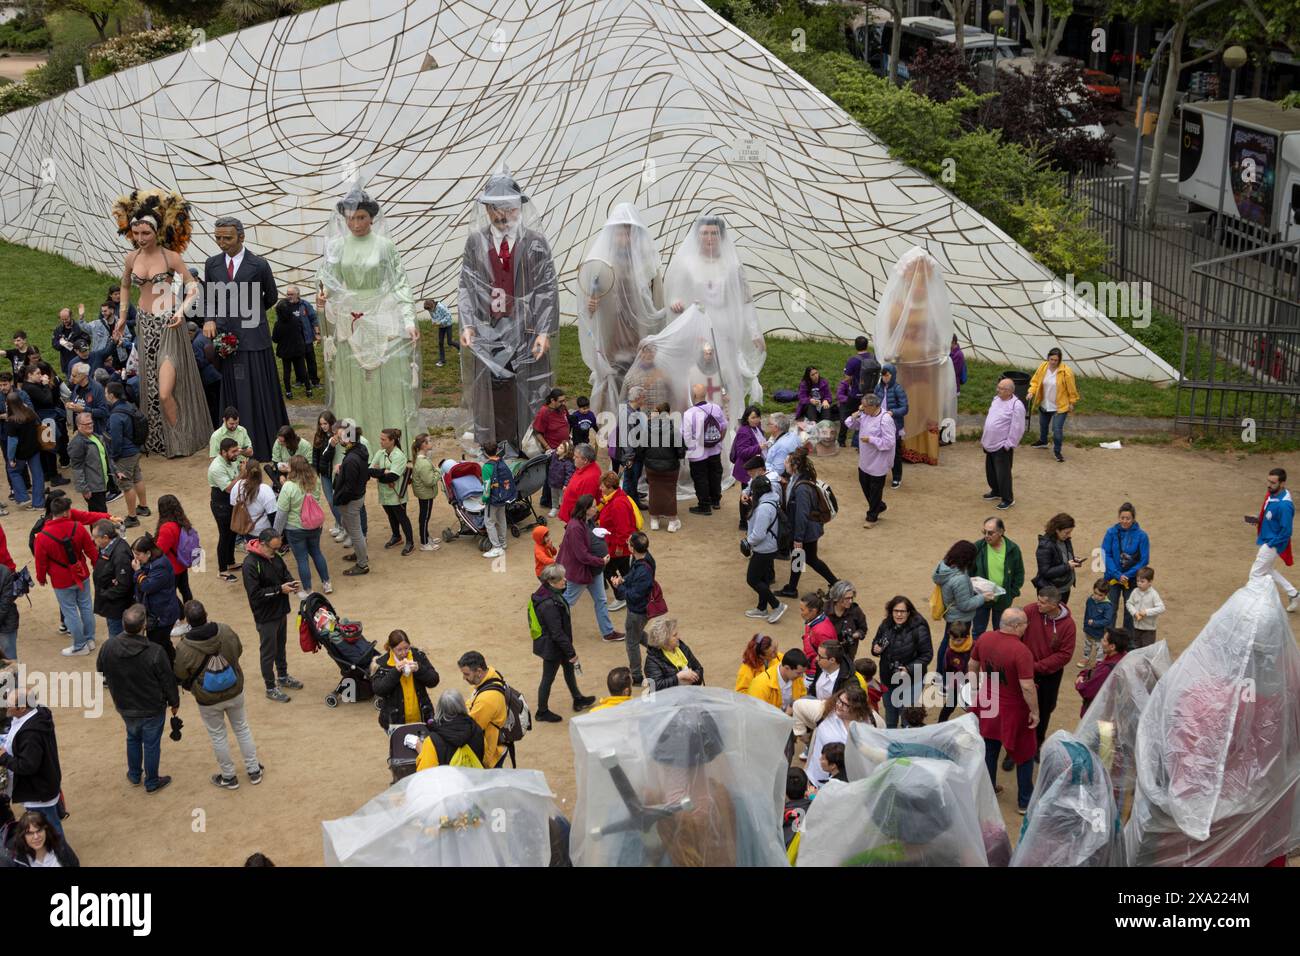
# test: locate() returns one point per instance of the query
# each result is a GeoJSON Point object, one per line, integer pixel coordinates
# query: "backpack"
{"type": "Point", "coordinates": [784, 529]}
{"type": "Point", "coordinates": [69, 550]}
{"type": "Point", "coordinates": [218, 674]}
{"type": "Point", "coordinates": [519, 719]}
{"type": "Point", "coordinates": [534, 625]}
{"type": "Point", "coordinates": [188, 550]}
{"type": "Point", "coordinates": [139, 428]}
{"type": "Point", "coordinates": [937, 607]}
{"type": "Point", "coordinates": [712, 432]}
{"type": "Point", "coordinates": [825, 506]}
{"type": "Point", "coordinates": [501, 486]}
{"type": "Point", "coordinates": [311, 515]}
{"type": "Point", "coordinates": [465, 757]}
{"type": "Point", "coordinates": [868, 375]}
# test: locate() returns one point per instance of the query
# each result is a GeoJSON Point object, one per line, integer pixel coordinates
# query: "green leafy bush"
{"type": "Point", "coordinates": [24, 35]}
{"type": "Point", "coordinates": [17, 96]}
{"type": "Point", "coordinates": [59, 74]}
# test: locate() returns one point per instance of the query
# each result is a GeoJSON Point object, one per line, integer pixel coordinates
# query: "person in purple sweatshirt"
{"type": "Point", "coordinates": [1004, 426]}
{"type": "Point", "coordinates": [958, 363]}
{"type": "Point", "coordinates": [814, 397]}
{"type": "Point", "coordinates": [749, 441]}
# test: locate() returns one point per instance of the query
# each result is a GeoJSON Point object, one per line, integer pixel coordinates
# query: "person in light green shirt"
{"type": "Point", "coordinates": [388, 466]}
{"type": "Point", "coordinates": [231, 428]}
{"type": "Point", "coordinates": [223, 472]}
{"type": "Point", "coordinates": [998, 559]}
{"type": "Point", "coordinates": [299, 483]}
{"type": "Point", "coordinates": [286, 445]}
{"type": "Point", "coordinates": [424, 482]}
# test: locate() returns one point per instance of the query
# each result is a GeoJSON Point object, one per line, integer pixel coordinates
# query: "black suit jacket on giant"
{"type": "Point", "coordinates": [249, 379]}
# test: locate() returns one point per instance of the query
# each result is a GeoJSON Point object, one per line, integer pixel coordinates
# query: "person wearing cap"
{"type": "Point", "coordinates": [877, 439]}
{"type": "Point", "coordinates": [509, 310]}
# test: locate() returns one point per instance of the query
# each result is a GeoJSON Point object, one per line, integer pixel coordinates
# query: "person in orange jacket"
{"type": "Point", "coordinates": [543, 551]}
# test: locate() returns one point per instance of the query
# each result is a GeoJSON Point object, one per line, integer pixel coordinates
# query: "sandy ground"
{"type": "Point", "coordinates": [323, 763]}
{"type": "Point", "coordinates": [15, 66]}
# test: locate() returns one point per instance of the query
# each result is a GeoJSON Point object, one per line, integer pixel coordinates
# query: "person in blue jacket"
{"type": "Point", "coordinates": [893, 399]}
{"type": "Point", "coordinates": [155, 588]}
{"type": "Point", "coordinates": [1275, 519]}
{"type": "Point", "coordinates": [1127, 550]}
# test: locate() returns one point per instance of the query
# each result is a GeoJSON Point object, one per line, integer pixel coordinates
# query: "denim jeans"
{"type": "Point", "coordinates": [1119, 598]}
{"type": "Point", "coordinates": [33, 465]}
{"type": "Point", "coordinates": [908, 690]}
{"type": "Point", "coordinates": [78, 613]}
{"type": "Point", "coordinates": [1057, 422]}
{"type": "Point", "coordinates": [573, 590]}
{"type": "Point", "coordinates": [9, 645]}
{"type": "Point", "coordinates": [306, 551]}
{"type": "Point", "coordinates": [632, 478]}
{"type": "Point", "coordinates": [327, 486]}
{"type": "Point", "coordinates": [144, 742]}
{"type": "Point", "coordinates": [214, 722]}
{"type": "Point", "coordinates": [114, 625]}
{"type": "Point", "coordinates": [982, 620]}
{"type": "Point", "coordinates": [1024, 772]}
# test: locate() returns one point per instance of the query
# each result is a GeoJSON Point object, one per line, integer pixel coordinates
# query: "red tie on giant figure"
{"type": "Point", "coordinates": [503, 280]}
{"type": "Point", "coordinates": [230, 269]}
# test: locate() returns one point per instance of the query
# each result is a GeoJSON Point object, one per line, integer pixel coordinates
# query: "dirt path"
{"type": "Point", "coordinates": [323, 763]}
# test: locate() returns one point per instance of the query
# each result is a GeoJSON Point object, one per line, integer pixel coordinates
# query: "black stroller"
{"type": "Point", "coordinates": [319, 626]}
{"type": "Point", "coordinates": [530, 479]}
{"type": "Point", "coordinates": [401, 758]}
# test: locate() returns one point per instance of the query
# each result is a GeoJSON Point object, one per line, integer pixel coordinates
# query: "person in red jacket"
{"type": "Point", "coordinates": [1000, 664]}
{"type": "Point", "coordinates": [65, 552]}
{"type": "Point", "coordinates": [584, 481]}
{"type": "Point", "coordinates": [5, 558]}
{"type": "Point", "coordinates": [618, 518]}
{"type": "Point", "coordinates": [1050, 637]}
{"type": "Point", "coordinates": [1114, 645]}
{"type": "Point", "coordinates": [171, 520]}
{"type": "Point", "coordinates": [817, 628]}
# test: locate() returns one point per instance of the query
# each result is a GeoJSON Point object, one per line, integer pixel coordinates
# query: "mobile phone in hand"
{"type": "Point", "coordinates": [1251, 519]}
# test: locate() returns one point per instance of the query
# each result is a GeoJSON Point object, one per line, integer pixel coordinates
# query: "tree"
{"type": "Point", "coordinates": [1045, 27]}
{"type": "Point", "coordinates": [897, 9]}
{"type": "Point", "coordinates": [958, 10]}
{"type": "Point", "coordinates": [940, 73]}
{"type": "Point", "coordinates": [1051, 113]}
{"type": "Point", "coordinates": [249, 12]}
{"type": "Point", "coordinates": [99, 12]}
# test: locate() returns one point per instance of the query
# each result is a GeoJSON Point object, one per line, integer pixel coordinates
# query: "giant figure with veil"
{"type": "Point", "coordinates": [509, 310]}
{"type": "Point", "coordinates": [620, 302]}
{"type": "Point", "coordinates": [370, 339]}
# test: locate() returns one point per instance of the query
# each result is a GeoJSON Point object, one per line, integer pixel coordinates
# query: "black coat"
{"type": "Point", "coordinates": [139, 676]}
{"type": "Point", "coordinates": [263, 577]}
{"type": "Point", "coordinates": [287, 336]}
{"type": "Point", "coordinates": [1053, 562]}
{"type": "Point", "coordinates": [29, 439]}
{"type": "Point", "coordinates": [665, 449]}
{"type": "Point", "coordinates": [853, 622]}
{"type": "Point", "coordinates": [387, 685]}
{"type": "Point", "coordinates": [661, 672]}
{"type": "Point", "coordinates": [254, 335]}
{"type": "Point", "coordinates": [8, 606]}
{"type": "Point", "coordinates": [20, 856]}
{"type": "Point", "coordinates": [34, 761]}
{"type": "Point", "coordinates": [114, 580]}
{"type": "Point", "coordinates": [350, 484]}
{"type": "Point", "coordinates": [451, 734]}
{"type": "Point", "coordinates": [799, 505]}
{"type": "Point", "coordinates": [556, 642]}
{"type": "Point", "coordinates": [902, 647]}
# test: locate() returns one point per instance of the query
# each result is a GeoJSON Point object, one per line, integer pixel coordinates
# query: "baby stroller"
{"type": "Point", "coordinates": [319, 626]}
{"type": "Point", "coordinates": [529, 479]}
{"type": "Point", "coordinates": [463, 481]}
{"type": "Point", "coordinates": [401, 757]}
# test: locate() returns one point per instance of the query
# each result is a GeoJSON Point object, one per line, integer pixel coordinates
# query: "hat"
{"type": "Point", "coordinates": [502, 190]}
{"type": "Point", "coordinates": [691, 739]}
{"type": "Point", "coordinates": [358, 199]}
{"type": "Point", "coordinates": [755, 461]}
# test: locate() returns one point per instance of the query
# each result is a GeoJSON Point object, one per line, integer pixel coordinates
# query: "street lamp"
{"type": "Point", "coordinates": [1234, 58]}
{"type": "Point", "coordinates": [996, 19]}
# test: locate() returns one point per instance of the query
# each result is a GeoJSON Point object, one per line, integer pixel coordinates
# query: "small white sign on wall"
{"type": "Point", "coordinates": [748, 149]}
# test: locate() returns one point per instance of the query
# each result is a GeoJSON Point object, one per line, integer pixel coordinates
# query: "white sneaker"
{"type": "Point", "coordinates": [74, 652]}
{"type": "Point", "coordinates": [494, 553]}
{"type": "Point", "coordinates": [302, 595]}
{"type": "Point", "coordinates": [427, 547]}
{"type": "Point", "coordinates": [335, 532]}
{"type": "Point", "coordinates": [553, 512]}
{"type": "Point", "coordinates": [776, 615]}
{"type": "Point", "coordinates": [617, 606]}
{"type": "Point", "coordinates": [329, 588]}
{"type": "Point", "coordinates": [674, 525]}
{"type": "Point", "coordinates": [654, 524]}
{"type": "Point", "coordinates": [755, 613]}
{"type": "Point", "coordinates": [346, 541]}
{"type": "Point", "coordinates": [1295, 603]}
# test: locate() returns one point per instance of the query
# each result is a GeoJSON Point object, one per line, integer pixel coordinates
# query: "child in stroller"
{"type": "Point", "coordinates": [319, 626]}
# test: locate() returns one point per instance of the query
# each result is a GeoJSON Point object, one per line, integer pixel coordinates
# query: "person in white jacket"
{"type": "Point", "coordinates": [1145, 606]}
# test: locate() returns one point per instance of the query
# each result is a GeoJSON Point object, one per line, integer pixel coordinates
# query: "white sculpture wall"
{"type": "Point", "coordinates": [590, 102]}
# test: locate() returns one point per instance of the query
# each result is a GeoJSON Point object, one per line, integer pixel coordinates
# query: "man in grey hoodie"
{"type": "Point", "coordinates": [207, 665]}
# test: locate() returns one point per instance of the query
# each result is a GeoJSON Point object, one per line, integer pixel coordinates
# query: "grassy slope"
{"type": "Point", "coordinates": [27, 302]}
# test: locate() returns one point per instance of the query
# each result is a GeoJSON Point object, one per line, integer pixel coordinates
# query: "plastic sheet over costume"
{"type": "Point", "coordinates": [707, 271]}
{"type": "Point", "coordinates": [689, 776]}
{"type": "Point", "coordinates": [956, 740]}
{"type": "Point", "coordinates": [911, 811]}
{"type": "Point", "coordinates": [509, 313]}
{"type": "Point", "coordinates": [372, 365]}
{"type": "Point", "coordinates": [449, 816]}
{"type": "Point", "coordinates": [620, 302]}
{"type": "Point", "coordinates": [1072, 818]}
{"type": "Point", "coordinates": [1218, 745]}
{"type": "Point", "coordinates": [914, 332]}
{"type": "Point", "coordinates": [1110, 725]}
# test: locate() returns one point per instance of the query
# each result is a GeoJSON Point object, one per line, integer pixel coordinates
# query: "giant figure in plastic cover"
{"type": "Point", "coordinates": [689, 776]}
{"type": "Point", "coordinates": [706, 271]}
{"type": "Point", "coordinates": [1072, 818]}
{"type": "Point", "coordinates": [955, 740]}
{"type": "Point", "coordinates": [449, 816]}
{"type": "Point", "coordinates": [914, 331]}
{"type": "Point", "coordinates": [911, 811]}
{"type": "Point", "coordinates": [1218, 746]}
{"type": "Point", "coordinates": [369, 335]}
{"type": "Point", "coordinates": [681, 356]}
{"type": "Point", "coordinates": [509, 310]}
{"type": "Point", "coordinates": [1110, 726]}
{"type": "Point", "coordinates": [620, 302]}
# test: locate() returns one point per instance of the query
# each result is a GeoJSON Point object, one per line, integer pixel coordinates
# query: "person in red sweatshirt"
{"type": "Point", "coordinates": [1050, 637]}
{"type": "Point", "coordinates": [5, 558]}
{"type": "Point", "coordinates": [1114, 645]}
{"type": "Point", "coordinates": [584, 481]}
{"type": "Point", "coordinates": [619, 519]}
{"type": "Point", "coordinates": [64, 552]}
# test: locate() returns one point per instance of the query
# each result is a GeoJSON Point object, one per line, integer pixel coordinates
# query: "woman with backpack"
{"type": "Point", "coordinates": [155, 588]}
{"type": "Point", "coordinates": [581, 564]}
{"type": "Point", "coordinates": [23, 450]}
{"type": "Point", "coordinates": [453, 736]}
{"type": "Point", "coordinates": [256, 500]}
{"type": "Point", "coordinates": [804, 505]}
{"type": "Point", "coordinates": [388, 466]}
{"type": "Point", "coordinates": [760, 546]}
{"type": "Point", "coordinates": [286, 445]}
{"type": "Point", "coordinates": [662, 460]}
{"type": "Point", "coordinates": [298, 515]}
{"type": "Point", "coordinates": [401, 680]}
{"type": "Point", "coordinates": [207, 665]}
{"type": "Point", "coordinates": [617, 515]}
{"type": "Point", "coordinates": [177, 539]}
{"type": "Point", "coordinates": [554, 641]}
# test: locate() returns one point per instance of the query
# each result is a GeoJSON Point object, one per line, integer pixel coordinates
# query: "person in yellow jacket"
{"type": "Point", "coordinates": [1054, 388]}
{"type": "Point", "coordinates": [619, 683]}
{"type": "Point", "coordinates": [781, 684]}
{"type": "Point", "coordinates": [760, 652]}
{"type": "Point", "coordinates": [488, 705]}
